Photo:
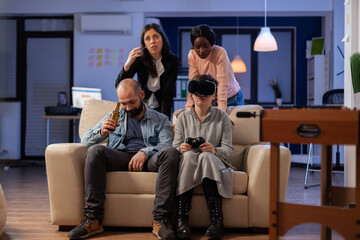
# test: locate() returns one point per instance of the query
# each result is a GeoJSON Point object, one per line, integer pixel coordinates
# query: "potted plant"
{"type": "Point", "coordinates": [355, 76]}
{"type": "Point", "coordinates": [275, 86]}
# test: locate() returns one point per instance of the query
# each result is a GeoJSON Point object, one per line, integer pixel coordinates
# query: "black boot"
{"type": "Point", "coordinates": [183, 229]}
{"type": "Point", "coordinates": [216, 229]}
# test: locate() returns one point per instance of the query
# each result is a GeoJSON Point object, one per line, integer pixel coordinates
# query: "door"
{"type": "Point", "coordinates": [48, 73]}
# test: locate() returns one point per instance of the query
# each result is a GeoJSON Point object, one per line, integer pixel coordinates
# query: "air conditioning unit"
{"type": "Point", "coordinates": [120, 23]}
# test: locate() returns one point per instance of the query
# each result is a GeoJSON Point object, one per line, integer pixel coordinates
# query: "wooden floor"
{"type": "Point", "coordinates": [28, 214]}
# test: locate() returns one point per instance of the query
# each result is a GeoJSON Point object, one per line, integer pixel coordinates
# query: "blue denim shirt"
{"type": "Point", "coordinates": [155, 128]}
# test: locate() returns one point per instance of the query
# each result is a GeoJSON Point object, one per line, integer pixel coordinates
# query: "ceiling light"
{"type": "Point", "coordinates": [238, 65]}
{"type": "Point", "coordinates": [265, 42]}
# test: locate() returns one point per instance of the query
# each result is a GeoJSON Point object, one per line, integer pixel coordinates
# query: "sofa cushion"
{"type": "Point", "coordinates": [131, 182]}
{"type": "Point", "coordinates": [239, 154]}
{"type": "Point", "coordinates": [144, 183]}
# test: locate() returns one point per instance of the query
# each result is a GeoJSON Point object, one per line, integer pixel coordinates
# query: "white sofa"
{"type": "Point", "coordinates": [130, 195]}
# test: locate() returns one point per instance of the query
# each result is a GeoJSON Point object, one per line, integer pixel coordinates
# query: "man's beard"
{"type": "Point", "coordinates": [136, 111]}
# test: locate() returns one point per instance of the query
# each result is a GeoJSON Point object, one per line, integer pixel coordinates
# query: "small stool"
{"type": "Point", "coordinates": [2, 211]}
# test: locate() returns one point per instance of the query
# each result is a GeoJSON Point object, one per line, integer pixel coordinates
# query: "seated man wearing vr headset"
{"type": "Point", "coordinates": [204, 139]}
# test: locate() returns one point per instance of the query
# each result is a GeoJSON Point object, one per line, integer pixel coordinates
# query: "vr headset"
{"type": "Point", "coordinates": [202, 87]}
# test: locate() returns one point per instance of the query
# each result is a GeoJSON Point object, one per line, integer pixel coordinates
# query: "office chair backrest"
{"type": "Point", "coordinates": [335, 96]}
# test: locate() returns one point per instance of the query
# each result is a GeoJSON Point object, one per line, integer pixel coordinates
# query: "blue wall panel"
{"type": "Point", "coordinates": [306, 29]}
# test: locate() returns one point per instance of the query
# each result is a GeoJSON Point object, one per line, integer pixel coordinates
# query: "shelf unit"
{"type": "Point", "coordinates": [317, 79]}
{"type": "Point", "coordinates": [181, 92]}
{"type": "Point", "coordinates": [317, 85]}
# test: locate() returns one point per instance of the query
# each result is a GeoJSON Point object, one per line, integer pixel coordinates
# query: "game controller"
{"type": "Point", "coordinates": [195, 142]}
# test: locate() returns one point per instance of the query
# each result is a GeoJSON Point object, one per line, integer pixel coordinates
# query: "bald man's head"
{"type": "Point", "coordinates": [130, 97]}
{"type": "Point", "coordinates": [129, 84]}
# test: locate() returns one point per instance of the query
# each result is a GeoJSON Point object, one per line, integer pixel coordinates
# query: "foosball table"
{"type": "Point", "coordinates": [339, 208]}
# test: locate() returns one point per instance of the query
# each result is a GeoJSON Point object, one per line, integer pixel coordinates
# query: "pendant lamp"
{"type": "Point", "coordinates": [265, 42]}
{"type": "Point", "coordinates": [238, 65]}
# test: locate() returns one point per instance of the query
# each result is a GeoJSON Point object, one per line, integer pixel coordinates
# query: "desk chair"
{"type": "Point", "coordinates": [332, 97]}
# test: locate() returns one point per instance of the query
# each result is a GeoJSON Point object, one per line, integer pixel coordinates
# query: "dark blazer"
{"type": "Point", "coordinates": [165, 94]}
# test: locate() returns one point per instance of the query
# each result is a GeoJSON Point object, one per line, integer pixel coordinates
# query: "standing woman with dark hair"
{"type": "Point", "coordinates": [156, 68]}
{"type": "Point", "coordinates": [207, 58]}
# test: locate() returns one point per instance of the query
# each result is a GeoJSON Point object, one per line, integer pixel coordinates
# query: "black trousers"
{"type": "Point", "coordinates": [210, 191]}
{"type": "Point", "coordinates": [101, 159]}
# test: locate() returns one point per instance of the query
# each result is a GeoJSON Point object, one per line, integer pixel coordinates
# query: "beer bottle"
{"type": "Point", "coordinates": [115, 114]}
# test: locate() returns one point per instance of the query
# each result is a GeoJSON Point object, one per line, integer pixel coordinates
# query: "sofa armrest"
{"type": "Point", "coordinates": [257, 166]}
{"type": "Point", "coordinates": [65, 174]}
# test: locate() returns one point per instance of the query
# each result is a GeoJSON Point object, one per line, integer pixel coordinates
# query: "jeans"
{"type": "Point", "coordinates": [237, 99]}
{"type": "Point", "coordinates": [101, 159]}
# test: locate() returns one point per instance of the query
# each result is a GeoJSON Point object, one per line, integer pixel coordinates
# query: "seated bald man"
{"type": "Point", "coordinates": [129, 148]}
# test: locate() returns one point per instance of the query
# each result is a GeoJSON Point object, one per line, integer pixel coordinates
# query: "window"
{"type": "Point", "coordinates": [261, 67]}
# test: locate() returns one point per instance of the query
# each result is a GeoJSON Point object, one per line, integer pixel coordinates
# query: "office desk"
{"type": "Point", "coordinates": [75, 119]}
{"type": "Point", "coordinates": [320, 126]}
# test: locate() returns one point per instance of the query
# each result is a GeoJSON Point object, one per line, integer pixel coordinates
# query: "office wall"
{"type": "Point", "coordinates": [87, 72]}
{"type": "Point", "coordinates": [85, 76]}
{"type": "Point", "coordinates": [99, 56]}
{"type": "Point", "coordinates": [338, 45]}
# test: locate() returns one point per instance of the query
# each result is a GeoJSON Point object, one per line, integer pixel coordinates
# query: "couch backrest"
{"type": "Point", "coordinates": [246, 131]}
{"type": "Point", "coordinates": [92, 112]}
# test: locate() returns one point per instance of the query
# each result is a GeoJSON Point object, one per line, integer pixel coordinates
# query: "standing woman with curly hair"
{"type": "Point", "coordinates": [156, 68]}
{"type": "Point", "coordinates": [207, 58]}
